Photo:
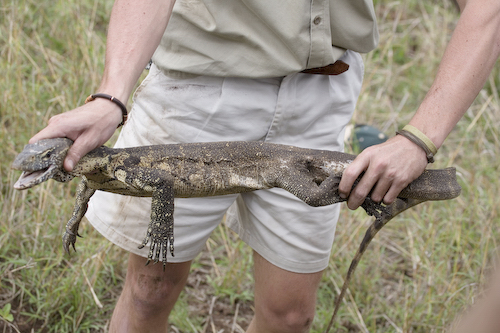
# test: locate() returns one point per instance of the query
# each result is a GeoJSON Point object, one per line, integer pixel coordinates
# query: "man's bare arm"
{"type": "Point", "coordinates": [135, 30]}
{"type": "Point", "coordinates": [466, 64]}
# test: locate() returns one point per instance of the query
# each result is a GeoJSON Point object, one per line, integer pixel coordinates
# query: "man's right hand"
{"type": "Point", "coordinates": [89, 126]}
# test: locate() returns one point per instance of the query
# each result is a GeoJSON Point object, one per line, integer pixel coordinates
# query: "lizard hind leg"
{"type": "Point", "coordinates": [312, 192]}
{"type": "Point", "coordinates": [375, 209]}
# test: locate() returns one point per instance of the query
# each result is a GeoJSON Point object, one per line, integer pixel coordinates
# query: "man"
{"type": "Point", "coordinates": [231, 71]}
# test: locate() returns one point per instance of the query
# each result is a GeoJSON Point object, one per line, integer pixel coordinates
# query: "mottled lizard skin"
{"type": "Point", "coordinates": [207, 169]}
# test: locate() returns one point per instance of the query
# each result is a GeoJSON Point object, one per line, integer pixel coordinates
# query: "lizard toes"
{"type": "Point", "coordinates": [66, 248]}
{"type": "Point", "coordinates": [150, 255]}
{"type": "Point", "coordinates": [145, 241]}
{"type": "Point", "coordinates": [157, 252]}
{"type": "Point", "coordinates": [69, 240]}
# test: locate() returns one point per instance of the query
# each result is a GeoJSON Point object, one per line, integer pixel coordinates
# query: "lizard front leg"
{"type": "Point", "coordinates": [83, 195]}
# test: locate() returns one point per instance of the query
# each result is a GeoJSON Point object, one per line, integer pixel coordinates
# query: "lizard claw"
{"type": "Point", "coordinates": [159, 239]}
{"type": "Point", "coordinates": [375, 209]}
{"type": "Point", "coordinates": [70, 235]}
{"type": "Point", "coordinates": [69, 240]}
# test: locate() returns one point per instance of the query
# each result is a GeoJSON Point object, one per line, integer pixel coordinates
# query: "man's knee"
{"type": "Point", "coordinates": [284, 301]}
{"type": "Point", "coordinates": [286, 317]}
{"type": "Point", "coordinates": [153, 290]}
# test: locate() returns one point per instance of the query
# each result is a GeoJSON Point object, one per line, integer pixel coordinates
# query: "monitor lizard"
{"type": "Point", "coordinates": [208, 169]}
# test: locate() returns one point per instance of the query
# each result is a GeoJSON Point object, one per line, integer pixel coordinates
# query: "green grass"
{"type": "Point", "coordinates": [417, 276]}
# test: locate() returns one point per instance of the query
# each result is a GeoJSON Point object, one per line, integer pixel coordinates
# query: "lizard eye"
{"type": "Point", "coordinates": [48, 154]}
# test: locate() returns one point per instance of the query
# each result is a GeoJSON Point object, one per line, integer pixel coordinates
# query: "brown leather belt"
{"type": "Point", "coordinates": [338, 67]}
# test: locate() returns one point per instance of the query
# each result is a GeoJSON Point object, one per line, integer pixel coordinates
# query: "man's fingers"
{"type": "Point", "coordinates": [71, 159]}
{"type": "Point", "coordinates": [392, 194]}
{"type": "Point", "coordinates": [386, 190]}
{"type": "Point", "coordinates": [380, 182]}
{"type": "Point", "coordinates": [362, 190]}
{"type": "Point", "coordinates": [361, 165]}
{"type": "Point", "coordinates": [82, 145]}
{"type": "Point", "coordinates": [351, 173]}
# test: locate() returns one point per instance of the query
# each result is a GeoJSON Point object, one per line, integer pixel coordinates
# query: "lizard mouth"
{"type": "Point", "coordinates": [31, 178]}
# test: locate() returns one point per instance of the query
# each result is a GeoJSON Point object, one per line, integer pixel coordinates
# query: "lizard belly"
{"type": "Point", "coordinates": [212, 186]}
{"type": "Point", "coordinates": [118, 187]}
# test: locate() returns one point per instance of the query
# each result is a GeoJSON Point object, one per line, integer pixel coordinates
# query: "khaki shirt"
{"type": "Point", "coordinates": [263, 38]}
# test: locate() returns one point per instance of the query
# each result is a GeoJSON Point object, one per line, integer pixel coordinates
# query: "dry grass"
{"type": "Point", "coordinates": [418, 274]}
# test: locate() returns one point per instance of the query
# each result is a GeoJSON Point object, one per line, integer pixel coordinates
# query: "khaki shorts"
{"type": "Point", "coordinates": [300, 109]}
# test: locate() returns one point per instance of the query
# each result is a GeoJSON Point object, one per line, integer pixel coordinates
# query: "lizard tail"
{"type": "Point", "coordinates": [370, 233]}
{"type": "Point", "coordinates": [433, 184]}
{"type": "Point", "coordinates": [387, 214]}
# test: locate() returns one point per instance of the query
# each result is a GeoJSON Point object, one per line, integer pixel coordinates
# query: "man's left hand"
{"type": "Point", "coordinates": [388, 168]}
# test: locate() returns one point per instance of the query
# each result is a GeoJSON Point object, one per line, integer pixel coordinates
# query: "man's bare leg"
{"type": "Point", "coordinates": [284, 301]}
{"type": "Point", "coordinates": [148, 296]}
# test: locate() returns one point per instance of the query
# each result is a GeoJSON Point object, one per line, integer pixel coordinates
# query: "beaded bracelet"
{"type": "Point", "coordinates": [114, 100]}
{"type": "Point", "coordinates": [420, 139]}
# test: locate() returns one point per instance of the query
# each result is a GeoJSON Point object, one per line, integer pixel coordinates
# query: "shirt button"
{"type": "Point", "coordinates": [317, 20]}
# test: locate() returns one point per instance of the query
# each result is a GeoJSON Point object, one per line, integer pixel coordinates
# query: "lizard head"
{"type": "Point", "coordinates": [41, 161]}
